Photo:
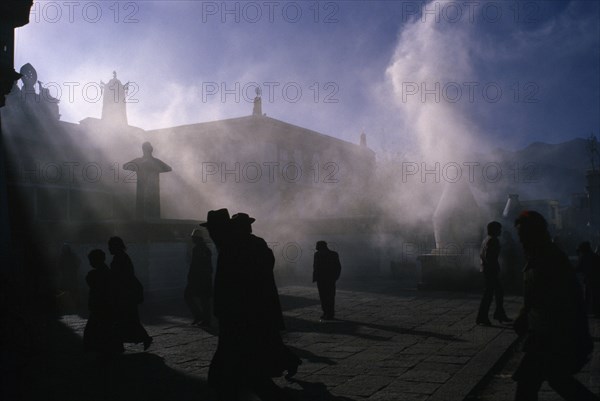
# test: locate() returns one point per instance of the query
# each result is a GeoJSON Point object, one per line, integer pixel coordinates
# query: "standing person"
{"type": "Point", "coordinates": [68, 278]}
{"type": "Point", "coordinates": [490, 267]}
{"type": "Point", "coordinates": [128, 293]}
{"type": "Point", "coordinates": [594, 287]}
{"type": "Point", "coordinates": [557, 343]}
{"type": "Point", "coordinates": [588, 266]}
{"type": "Point", "coordinates": [99, 334]}
{"type": "Point", "coordinates": [326, 271]}
{"type": "Point", "coordinates": [199, 286]}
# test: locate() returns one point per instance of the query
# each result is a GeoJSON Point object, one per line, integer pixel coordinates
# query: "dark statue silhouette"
{"type": "Point", "coordinates": [147, 168]}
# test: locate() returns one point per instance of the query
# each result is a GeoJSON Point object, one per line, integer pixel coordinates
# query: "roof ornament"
{"type": "Point", "coordinates": [257, 108]}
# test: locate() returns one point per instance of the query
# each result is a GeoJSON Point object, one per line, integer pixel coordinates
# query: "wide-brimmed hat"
{"type": "Point", "coordinates": [216, 217]}
{"type": "Point", "coordinates": [242, 218]}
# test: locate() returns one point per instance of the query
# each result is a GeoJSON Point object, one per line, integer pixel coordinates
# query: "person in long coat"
{"type": "Point", "coordinates": [68, 279]}
{"type": "Point", "coordinates": [326, 271]}
{"type": "Point", "coordinates": [128, 293]}
{"type": "Point", "coordinates": [99, 334]}
{"type": "Point", "coordinates": [557, 340]}
{"type": "Point", "coordinates": [199, 281]}
{"type": "Point", "coordinates": [250, 350]}
{"type": "Point", "coordinates": [588, 266]}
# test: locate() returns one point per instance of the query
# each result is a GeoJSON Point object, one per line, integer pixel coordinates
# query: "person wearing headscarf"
{"type": "Point", "coordinates": [128, 293]}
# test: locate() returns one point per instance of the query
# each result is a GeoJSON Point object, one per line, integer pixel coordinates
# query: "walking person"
{"type": "Point", "coordinates": [128, 293]}
{"type": "Point", "coordinates": [225, 373]}
{"type": "Point", "coordinates": [250, 350]}
{"type": "Point", "coordinates": [326, 271]}
{"type": "Point", "coordinates": [490, 267]}
{"type": "Point", "coordinates": [99, 333]}
{"type": "Point", "coordinates": [199, 285]}
{"type": "Point", "coordinates": [553, 321]}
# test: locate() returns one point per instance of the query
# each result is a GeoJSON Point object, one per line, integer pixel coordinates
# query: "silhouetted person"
{"type": "Point", "coordinates": [147, 168]}
{"type": "Point", "coordinates": [39, 277]}
{"type": "Point", "coordinates": [68, 278]}
{"type": "Point", "coordinates": [225, 372]}
{"type": "Point", "coordinates": [510, 261]}
{"type": "Point", "coordinates": [246, 302]}
{"type": "Point", "coordinates": [589, 266]}
{"type": "Point", "coordinates": [326, 271]}
{"type": "Point", "coordinates": [557, 343]}
{"type": "Point", "coordinates": [100, 334]}
{"type": "Point", "coordinates": [490, 267]}
{"type": "Point", "coordinates": [199, 285]}
{"type": "Point", "coordinates": [128, 293]}
{"type": "Point", "coordinates": [595, 288]}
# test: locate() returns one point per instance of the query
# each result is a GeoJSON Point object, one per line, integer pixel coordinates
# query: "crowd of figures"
{"type": "Point", "coordinates": [114, 295]}
{"type": "Point", "coordinates": [553, 320]}
{"type": "Point", "coordinates": [250, 352]}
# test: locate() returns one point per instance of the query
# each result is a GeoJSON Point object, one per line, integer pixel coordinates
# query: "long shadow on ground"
{"type": "Point", "coordinates": [352, 328]}
{"type": "Point", "coordinates": [62, 371]}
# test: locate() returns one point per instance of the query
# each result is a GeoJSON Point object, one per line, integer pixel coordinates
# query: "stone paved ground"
{"type": "Point", "coordinates": [501, 387]}
{"type": "Point", "coordinates": [389, 344]}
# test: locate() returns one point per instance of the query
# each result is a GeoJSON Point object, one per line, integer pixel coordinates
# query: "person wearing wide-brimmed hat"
{"type": "Point", "coordinates": [250, 350]}
{"type": "Point", "coordinates": [225, 373]}
{"type": "Point", "coordinates": [199, 285]}
{"type": "Point", "coordinates": [260, 261]}
{"type": "Point", "coordinates": [267, 355]}
{"type": "Point", "coordinates": [218, 225]}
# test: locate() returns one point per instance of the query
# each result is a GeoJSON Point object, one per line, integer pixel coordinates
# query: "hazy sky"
{"type": "Point", "coordinates": [504, 73]}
